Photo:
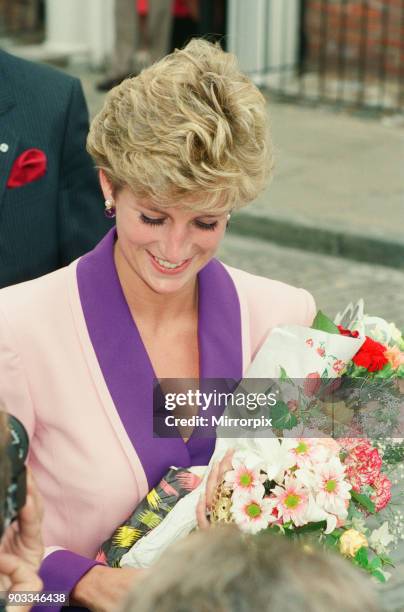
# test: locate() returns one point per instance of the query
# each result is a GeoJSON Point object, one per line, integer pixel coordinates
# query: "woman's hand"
{"type": "Point", "coordinates": [214, 479]}
{"type": "Point", "coordinates": [21, 547]}
{"type": "Point", "coordinates": [103, 589]}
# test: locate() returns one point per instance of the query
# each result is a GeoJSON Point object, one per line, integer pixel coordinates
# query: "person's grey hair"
{"type": "Point", "coordinates": [191, 129]}
{"type": "Point", "coordinates": [223, 570]}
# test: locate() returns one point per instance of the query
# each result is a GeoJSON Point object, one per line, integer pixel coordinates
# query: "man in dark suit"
{"type": "Point", "coordinates": [51, 208]}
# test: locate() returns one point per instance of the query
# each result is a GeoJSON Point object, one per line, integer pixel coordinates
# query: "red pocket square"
{"type": "Point", "coordinates": [28, 167]}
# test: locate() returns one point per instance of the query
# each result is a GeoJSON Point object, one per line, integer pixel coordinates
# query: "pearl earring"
{"type": "Point", "coordinates": [109, 210]}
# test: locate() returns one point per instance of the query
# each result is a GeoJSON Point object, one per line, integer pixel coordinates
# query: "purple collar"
{"type": "Point", "coordinates": [126, 367]}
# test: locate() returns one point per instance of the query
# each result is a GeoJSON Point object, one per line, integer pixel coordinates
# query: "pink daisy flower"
{"type": "Point", "coordinates": [252, 513]}
{"type": "Point", "coordinates": [308, 450]}
{"type": "Point", "coordinates": [291, 501]}
{"type": "Point", "coordinates": [245, 480]}
{"type": "Point", "coordinates": [333, 489]}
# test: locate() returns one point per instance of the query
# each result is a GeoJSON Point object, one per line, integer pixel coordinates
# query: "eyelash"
{"type": "Point", "coordinates": [199, 224]}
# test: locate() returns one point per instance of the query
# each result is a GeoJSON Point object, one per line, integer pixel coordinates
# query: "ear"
{"type": "Point", "coordinates": [105, 185]}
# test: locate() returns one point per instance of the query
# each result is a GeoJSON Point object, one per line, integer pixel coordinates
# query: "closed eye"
{"type": "Point", "coordinates": [205, 226]}
{"type": "Point", "coordinates": [160, 221]}
{"type": "Point", "coordinates": [152, 220]}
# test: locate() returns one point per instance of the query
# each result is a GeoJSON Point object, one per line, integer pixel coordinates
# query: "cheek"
{"type": "Point", "coordinates": [137, 235]}
{"type": "Point", "coordinates": [211, 241]}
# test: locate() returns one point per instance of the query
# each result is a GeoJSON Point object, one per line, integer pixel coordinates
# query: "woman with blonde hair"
{"type": "Point", "coordinates": [178, 149]}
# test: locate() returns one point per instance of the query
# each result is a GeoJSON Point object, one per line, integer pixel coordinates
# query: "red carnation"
{"type": "Point", "coordinates": [382, 494]}
{"type": "Point", "coordinates": [348, 332]}
{"type": "Point", "coordinates": [371, 355]}
{"type": "Point", "coordinates": [363, 463]}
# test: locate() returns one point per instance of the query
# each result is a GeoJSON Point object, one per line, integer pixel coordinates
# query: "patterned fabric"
{"type": "Point", "coordinates": [149, 513]}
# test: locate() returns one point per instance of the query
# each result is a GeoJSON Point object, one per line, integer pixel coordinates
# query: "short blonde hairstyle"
{"type": "Point", "coordinates": [191, 129]}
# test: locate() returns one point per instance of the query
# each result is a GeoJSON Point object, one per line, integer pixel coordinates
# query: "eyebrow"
{"type": "Point", "coordinates": [162, 212]}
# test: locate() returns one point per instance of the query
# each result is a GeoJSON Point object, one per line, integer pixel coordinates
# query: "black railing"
{"type": "Point", "coordinates": [343, 52]}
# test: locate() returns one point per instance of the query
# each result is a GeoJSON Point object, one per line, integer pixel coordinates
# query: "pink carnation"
{"type": "Point", "coordinates": [312, 384]}
{"type": "Point", "coordinates": [347, 444]}
{"type": "Point", "coordinates": [382, 494]}
{"type": "Point", "coordinates": [363, 464]}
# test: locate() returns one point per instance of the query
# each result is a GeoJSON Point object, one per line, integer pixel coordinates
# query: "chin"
{"type": "Point", "coordinates": [167, 287]}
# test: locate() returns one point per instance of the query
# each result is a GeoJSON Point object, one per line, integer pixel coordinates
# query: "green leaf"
{"type": "Point", "coordinates": [311, 527]}
{"type": "Point", "coordinates": [375, 564]}
{"type": "Point", "coordinates": [386, 561]}
{"type": "Point", "coordinates": [353, 511]}
{"type": "Point", "coordinates": [331, 540]}
{"type": "Point", "coordinates": [282, 418]}
{"type": "Point", "coordinates": [323, 323]}
{"type": "Point", "coordinates": [386, 372]}
{"type": "Point", "coordinates": [361, 557]}
{"type": "Point", "coordinates": [379, 576]}
{"type": "Point", "coordinates": [284, 376]}
{"type": "Point", "coordinates": [364, 500]}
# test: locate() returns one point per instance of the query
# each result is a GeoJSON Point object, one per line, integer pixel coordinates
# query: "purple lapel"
{"type": "Point", "coordinates": [125, 365]}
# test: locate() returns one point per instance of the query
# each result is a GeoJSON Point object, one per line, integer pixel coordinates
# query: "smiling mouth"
{"type": "Point", "coordinates": [168, 265]}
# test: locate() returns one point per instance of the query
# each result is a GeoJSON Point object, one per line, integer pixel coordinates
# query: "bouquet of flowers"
{"type": "Point", "coordinates": [315, 486]}
{"type": "Point", "coordinates": [295, 480]}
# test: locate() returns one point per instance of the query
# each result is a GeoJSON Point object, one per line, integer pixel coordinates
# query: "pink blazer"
{"type": "Point", "coordinates": [73, 369]}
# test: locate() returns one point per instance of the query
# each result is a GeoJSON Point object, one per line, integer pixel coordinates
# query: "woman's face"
{"type": "Point", "coordinates": [166, 248]}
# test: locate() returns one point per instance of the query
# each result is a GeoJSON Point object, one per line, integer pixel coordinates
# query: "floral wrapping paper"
{"type": "Point", "coordinates": [149, 513]}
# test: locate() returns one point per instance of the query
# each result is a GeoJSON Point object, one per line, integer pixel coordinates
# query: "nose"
{"type": "Point", "coordinates": [175, 247]}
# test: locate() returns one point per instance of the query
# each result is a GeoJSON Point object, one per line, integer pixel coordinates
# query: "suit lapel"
{"type": "Point", "coordinates": [7, 97]}
{"type": "Point", "coordinates": [8, 135]}
{"type": "Point", "coordinates": [126, 367]}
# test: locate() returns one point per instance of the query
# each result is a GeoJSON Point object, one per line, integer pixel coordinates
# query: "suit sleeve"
{"type": "Point", "coordinates": [311, 309]}
{"type": "Point", "coordinates": [60, 569]}
{"type": "Point", "coordinates": [81, 220]}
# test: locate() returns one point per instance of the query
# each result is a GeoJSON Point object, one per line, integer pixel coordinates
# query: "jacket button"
{"type": "Point", "coordinates": [3, 147]}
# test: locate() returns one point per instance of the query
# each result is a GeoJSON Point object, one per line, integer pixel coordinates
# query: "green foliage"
{"type": "Point", "coordinates": [386, 561]}
{"type": "Point", "coordinates": [379, 576]}
{"type": "Point", "coordinates": [321, 525]}
{"type": "Point", "coordinates": [372, 566]}
{"type": "Point", "coordinates": [364, 501]}
{"type": "Point", "coordinates": [353, 511]}
{"type": "Point", "coordinates": [361, 558]}
{"type": "Point", "coordinates": [323, 323]}
{"type": "Point", "coordinates": [281, 416]}
{"type": "Point", "coordinates": [284, 376]}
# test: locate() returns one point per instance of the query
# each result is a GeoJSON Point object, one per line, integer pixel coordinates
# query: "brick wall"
{"type": "Point", "coordinates": [370, 31]}
{"type": "Point", "coordinates": [18, 16]}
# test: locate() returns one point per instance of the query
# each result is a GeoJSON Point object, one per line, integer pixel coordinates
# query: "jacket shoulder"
{"type": "Point", "coordinates": [271, 303]}
{"type": "Point", "coordinates": [30, 305]}
{"type": "Point", "coordinates": [36, 78]}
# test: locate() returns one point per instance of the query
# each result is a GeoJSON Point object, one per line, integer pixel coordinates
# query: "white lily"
{"type": "Point", "coordinates": [380, 539]}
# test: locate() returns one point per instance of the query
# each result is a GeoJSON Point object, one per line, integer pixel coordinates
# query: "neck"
{"type": "Point", "coordinates": [148, 305]}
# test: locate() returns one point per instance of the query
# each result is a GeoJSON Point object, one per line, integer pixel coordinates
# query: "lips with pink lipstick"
{"type": "Point", "coordinates": [168, 267]}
